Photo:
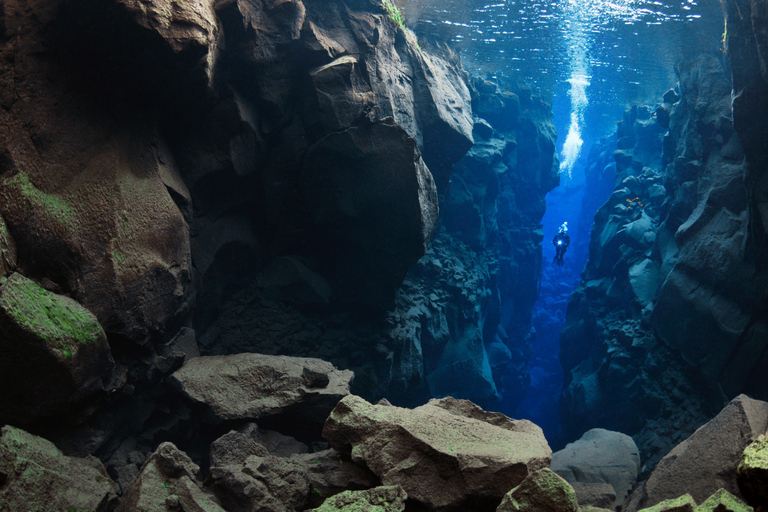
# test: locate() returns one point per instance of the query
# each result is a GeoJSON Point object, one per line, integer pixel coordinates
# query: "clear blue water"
{"type": "Point", "coordinates": [609, 53]}
{"type": "Point", "coordinates": [591, 59]}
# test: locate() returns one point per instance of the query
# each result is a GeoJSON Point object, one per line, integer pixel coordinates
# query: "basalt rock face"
{"type": "Point", "coordinates": [473, 294]}
{"type": "Point", "coordinates": [446, 334]}
{"type": "Point", "coordinates": [669, 320]}
{"type": "Point", "coordinates": [166, 165]}
{"type": "Point", "coordinates": [747, 48]}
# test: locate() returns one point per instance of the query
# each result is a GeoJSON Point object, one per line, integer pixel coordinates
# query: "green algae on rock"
{"type": "Point", "coordinates": [542, 491]}
{"type": "Point", "coordinates": [752, 472]}
{"type": "Point", "coordinates": [38, 476]}
{"type": "Point", "coordinates": [55, 353]}
{"type": "Point", "coordinates": [58, 320]}
{"type": "Point", "coordinates": [723, 501]}
{"type": "Point", "coordinates": [684, 503]}
{"type": "Point", "coordinates": [387, 498]}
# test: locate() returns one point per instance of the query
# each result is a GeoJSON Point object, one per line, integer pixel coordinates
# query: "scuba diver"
{"type": "Point", "coordinates": [561, 242]}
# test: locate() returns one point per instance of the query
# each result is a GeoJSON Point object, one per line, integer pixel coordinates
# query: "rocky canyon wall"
{"type": "Point", "coordinates": [218, 177]}
{"type": "Point", "coordinates": [669, 320]}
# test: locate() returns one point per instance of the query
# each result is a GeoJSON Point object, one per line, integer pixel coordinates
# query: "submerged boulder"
{"type": "Point", "coordinates": [55, 353]}
{"type": "Point", "coordinates": [246, 477]}
{"type": "Point", "coordinates": [167, 482]}
{"type": "Point", "coordinates": [707, 460]}
{"type": "Point", "coordinates": [35, 475]}
{"type": "Point", "coordinates": [448, 454]}
{"type": "Point", "coordinates": [542, 491]}
{"type": "Point", "coordinates": [600, 456]}
{"type": "Point", "coordinates": [253, 386]}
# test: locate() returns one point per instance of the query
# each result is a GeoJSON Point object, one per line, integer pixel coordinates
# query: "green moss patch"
{"type": "Point", "coordinates": [684, 503]}
{"type": "Point", "coordinates": [52, 206]}
{"type": "Point", "coordinates": [755, 455]}
{"type": "Point", "coordinates": [379, 499]}
{"type": "Point", "coordinates": [59, 321]}
{"type": "Point", "coordinates": [723, 501]}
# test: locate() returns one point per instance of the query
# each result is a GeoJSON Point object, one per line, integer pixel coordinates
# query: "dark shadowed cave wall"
{"type": "Point", "coordinates": [292, 177]}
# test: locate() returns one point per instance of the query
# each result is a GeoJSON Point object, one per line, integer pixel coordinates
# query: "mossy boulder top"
{"type": "Point", "coordinates": [55, 353]}
{"type": "Point", "coordinates": [38, 476]}
{"type": "Point", "coordinates": [542, 491]}
{"type": "Point", "coordinates": [447, 454]}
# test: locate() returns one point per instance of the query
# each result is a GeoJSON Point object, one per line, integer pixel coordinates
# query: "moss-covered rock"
{"type": "Point", "coordinates": [542, 491]}
{"type": "Point", "coordinates": [388, 498]}
{"type": "Point", "coordinates": [723, 501]}
{"type": "Point", "coordinates": [684, 503]}
{"type": "Point", "coordinates": [447, 454]}
{"type": "Point", "coordinates": [35, 476]}
{"type": "Point", "coordinates": [168, 482]}
{"type": "Point", "coordinates": [54, 352]}
{"type": "Point", "coordinates": [752, 473]}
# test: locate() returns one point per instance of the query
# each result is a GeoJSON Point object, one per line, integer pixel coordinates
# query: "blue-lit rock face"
{"type": "Point", "coordinates": [664, 326]}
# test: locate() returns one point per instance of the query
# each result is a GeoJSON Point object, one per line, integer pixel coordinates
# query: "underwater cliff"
{"type": "Point", "coordinates": [285, 255]}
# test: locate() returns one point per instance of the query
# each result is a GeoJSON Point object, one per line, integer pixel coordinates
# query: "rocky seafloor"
{"type": "Point", "coordinates": [244, 243]}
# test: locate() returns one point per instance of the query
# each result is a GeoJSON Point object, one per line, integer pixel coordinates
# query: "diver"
{"type": "Point", "coordinates": [561, 242]}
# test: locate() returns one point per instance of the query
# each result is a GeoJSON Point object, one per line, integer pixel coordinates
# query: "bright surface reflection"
{"type": "Point", "coordinates": [630, 46]}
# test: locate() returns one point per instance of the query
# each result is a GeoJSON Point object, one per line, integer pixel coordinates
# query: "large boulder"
{"type": "Point", "coordinates": [253, 386]}
{"type": "Point", "coordinates": [167, 482]}
{"type": "Point", "coordinates": [706, 461]}
{"type": "Point", "coordinates": [600, 456]}
{"type": "Point", "coordinates": [55, 353]}
{"type": "Point", "coordinates": [246, 477]}
{"type": "Point", "coordinates": [35, 475]}
{"type": "Point", "coordinates": [448, 454]}
{"type": "Point", "coordinates": [542, 491]}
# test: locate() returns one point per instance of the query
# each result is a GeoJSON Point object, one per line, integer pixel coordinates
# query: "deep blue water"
{"type": "Point", "coordinates": [591, 59]}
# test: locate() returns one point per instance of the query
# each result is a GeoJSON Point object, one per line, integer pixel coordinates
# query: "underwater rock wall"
{"type": "Point", "coordinates": [158, 159]}
{"type": "Point", "coordinates": [469, 301]}
{"type": "Point", "coordinates": [249, 176]}
{"type": "Point", "coordinates": [667, 323]}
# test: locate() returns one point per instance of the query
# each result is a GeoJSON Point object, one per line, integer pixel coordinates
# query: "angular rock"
{"type": "Point", "coordinates": [168, 481]}
{"type": "Point", "coordinates": [35, 475]}
{"type": "Point", "coordinates": [55, 353]}
{"type": "Point", "coordinates": [253, 386]}
{"type": "Point", "coordinates": [752, 473]}
{"type": "Point", "coordinates": [708, 459]}
{"type": "Point", "coordinates": [600, 456]}
{"type": "Point", "coordinates": [542, 491]}
{"type": "Point", "coordinates": [330, 474]}
{"type": "Point", "coordinates": [246, 477]}
{"type": "Point", "coordinates": [447, 454]}
{"type": "Point", "coordinates": [723, 501]}
{"type": "Point", "coordinates": [387, 498]}
{"type": "Point", "coordinates": [684, 503]}
{"type": "Point", "coordinates": [595, 495]}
